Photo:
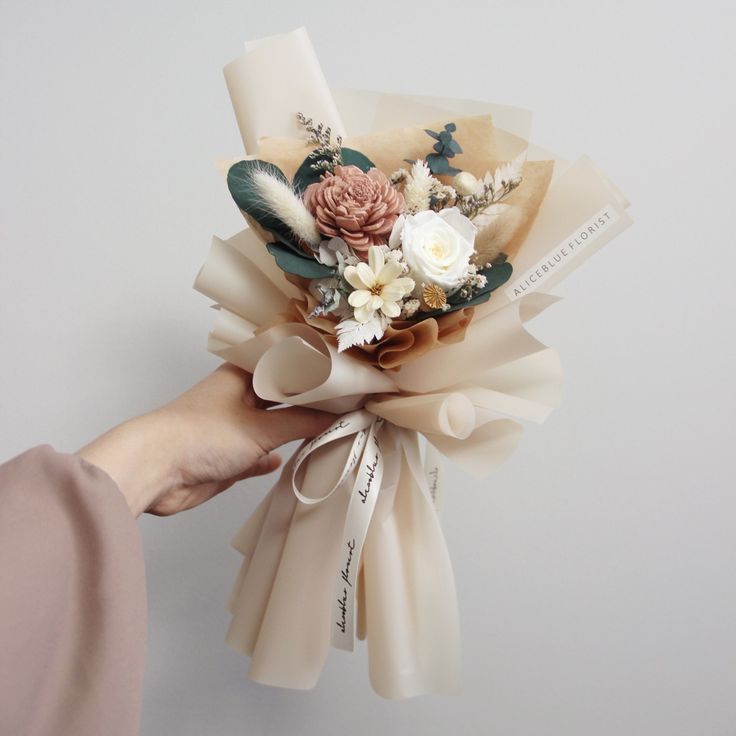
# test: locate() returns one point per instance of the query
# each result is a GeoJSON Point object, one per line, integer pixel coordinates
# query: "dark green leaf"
{"type": "Point", "coordinates": [240, 184]}
{"type": "Point", "coordinates": [351, 157]}
{"type": "Point", "coordinates": [287, 260]}
{"type": "Point", "coordinates": [306, 175]}
{"type": "Point", "coordinates": [431, 133]}
{"type": "Point", "coordinates": [496, 276]}
{"type": "Point", "coordinates": [289, 241]}
{"type": "Point", "coordinates": [474, 302]}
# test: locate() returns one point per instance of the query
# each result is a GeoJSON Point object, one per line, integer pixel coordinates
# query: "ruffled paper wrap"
{"type": "Point", "coordinates": [330, 548]}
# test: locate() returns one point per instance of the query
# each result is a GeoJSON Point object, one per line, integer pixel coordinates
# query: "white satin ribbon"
{"type": "Point", "coordinates": [365, 453]}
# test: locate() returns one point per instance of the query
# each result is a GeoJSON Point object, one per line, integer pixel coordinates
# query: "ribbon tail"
{"type": "Point", "coordinates": [411, 605]}
{"type": "Point", "coordinates": [365, 493]}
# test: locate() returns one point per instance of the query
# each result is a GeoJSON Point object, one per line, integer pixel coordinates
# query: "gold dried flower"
{"type": "Point", "coordinates": [434, 296]}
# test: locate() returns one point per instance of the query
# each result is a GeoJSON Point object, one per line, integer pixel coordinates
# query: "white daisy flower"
{"type": "Point", "coordinates": [378, 286]}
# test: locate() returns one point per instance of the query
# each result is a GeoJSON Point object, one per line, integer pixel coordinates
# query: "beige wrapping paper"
{"type": "Point", "coordinates": [275, 77]}
{"type": "Point", "coordinates": [468, 398]}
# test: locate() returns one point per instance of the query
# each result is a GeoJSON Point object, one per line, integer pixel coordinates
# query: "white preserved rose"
{"type": "Point", "coordinates": [437, 246]}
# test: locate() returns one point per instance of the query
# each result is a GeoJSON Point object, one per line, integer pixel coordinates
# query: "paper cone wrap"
{"type": "Point", "coordinates": [468, 399]}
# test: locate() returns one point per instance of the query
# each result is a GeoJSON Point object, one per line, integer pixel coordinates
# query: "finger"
{"type": "Point", "coordinates": [263, 466]}
{"type": "Point", "coordinates": [249, 397]}
{"type": "Point", "coordinates": [293, 423]}
{"type": "Point", "coordinates": [231, 380]}
{"type": "Point", "coordinates": [260, 403]}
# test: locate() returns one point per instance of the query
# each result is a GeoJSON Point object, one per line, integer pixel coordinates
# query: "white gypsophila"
{"type": "Point", "coordinates": [437, 246]}
{"type": "Point", "coordinates": [379, 286]}
{"type": "Point", "coordinates": [409, 308]}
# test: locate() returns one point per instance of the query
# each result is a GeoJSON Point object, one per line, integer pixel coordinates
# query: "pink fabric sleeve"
{"type": "Point", "coordinates": [72, 600]}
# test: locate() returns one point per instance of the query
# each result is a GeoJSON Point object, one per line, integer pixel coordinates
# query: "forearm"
{"type": "Point", "coordinates": [137, 456]}
{"type": "Point", "coordinates": [199, 444]}
{"type": "Point", "coordinates": [72, 618]}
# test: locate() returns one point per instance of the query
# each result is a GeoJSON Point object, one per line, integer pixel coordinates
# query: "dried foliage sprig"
{"type": "Point", "coordinates": [492, 189]}
{"type": "Point", "coordinates": [327, 155]}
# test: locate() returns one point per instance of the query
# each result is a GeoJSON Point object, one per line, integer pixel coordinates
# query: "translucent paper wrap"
{"type": "Point", "coordinates": [348, 541]}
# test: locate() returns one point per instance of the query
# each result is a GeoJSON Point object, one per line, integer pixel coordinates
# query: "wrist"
{"type": "Point", "coordinates": [137, 456]}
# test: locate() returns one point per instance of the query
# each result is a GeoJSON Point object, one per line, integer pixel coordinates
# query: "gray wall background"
{"type": "Point", "coordinates": [596, 569]}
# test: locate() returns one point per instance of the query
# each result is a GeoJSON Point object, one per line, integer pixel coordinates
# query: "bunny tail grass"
{"type": "Point", "coordinates": [280, 200]}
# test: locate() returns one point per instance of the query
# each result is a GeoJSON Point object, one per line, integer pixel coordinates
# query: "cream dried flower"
{"type": "Point", "coordinates": [418, 188]}
{"type": "Point", "coordinates": [378, 286]}
{"type": "Point", "coordinates": [466, 184]}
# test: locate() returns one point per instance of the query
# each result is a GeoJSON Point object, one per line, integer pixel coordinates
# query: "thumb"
{"type": "Point", "coordinates": [293, 423]}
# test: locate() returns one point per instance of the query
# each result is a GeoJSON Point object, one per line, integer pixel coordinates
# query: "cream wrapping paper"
{"type": "Point", "coordinates": [273, 78]}
{"type": "Point", "coordinates": [467, 399]}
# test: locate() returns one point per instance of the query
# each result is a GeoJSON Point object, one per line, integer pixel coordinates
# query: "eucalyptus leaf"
{"type": "Point", "coordinates": [287, 260]}
{"type": "Point", "coordinates": [439, 165]}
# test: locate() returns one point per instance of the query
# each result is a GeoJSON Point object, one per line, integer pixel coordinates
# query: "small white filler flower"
{"type": "Point", "coordinates": [378, 286]}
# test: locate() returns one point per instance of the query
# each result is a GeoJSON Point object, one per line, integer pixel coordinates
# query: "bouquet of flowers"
{"type": "Point", "coordinates": [387, 278]}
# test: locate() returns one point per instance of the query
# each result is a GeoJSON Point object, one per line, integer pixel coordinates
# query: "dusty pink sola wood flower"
{"type": "Point", "coordinates": [358, 207]}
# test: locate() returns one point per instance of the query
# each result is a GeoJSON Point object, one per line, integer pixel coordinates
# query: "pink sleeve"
{"type": "Point", "coordinates": [72, 600]}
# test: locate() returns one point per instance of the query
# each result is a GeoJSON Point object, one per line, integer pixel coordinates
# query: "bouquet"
{"type": "Point", "coordinates": [385, 276]}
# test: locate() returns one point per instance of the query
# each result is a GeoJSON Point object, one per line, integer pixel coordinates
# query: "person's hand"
{"type": "Point", "coordinates": [189, 450]}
